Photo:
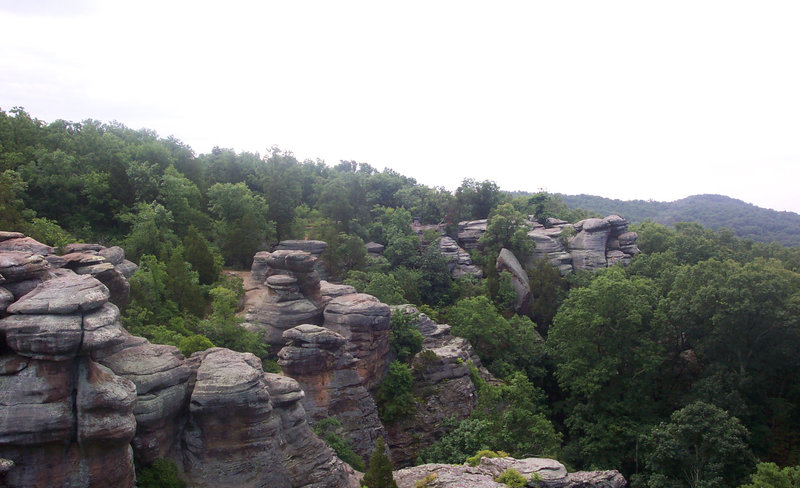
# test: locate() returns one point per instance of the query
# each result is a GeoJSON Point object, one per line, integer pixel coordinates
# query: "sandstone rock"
{"type": "Point", "coordinates": [552, 473]}
{"type": "Point", "coordinates": [63, 295]}
{"type": "Point", "coordinates": [364, 321]}
{"type": "Point", "coordinates": [297, 261]}
{"type": "Point", "coordinates": [259, 267]}
{"type": "Point", "coordinates": [588, 247]}
{"type": "Point", "coordinates": [375, 248]}
{"type": "Point", "coordinates": [6, 299]}
{"type": "Point", "coordinates": [52, 337]}
{"type": "Point", "coordinates": [329, 291]}
{"type": "Point", "coordinates": [26, 244]}
{"type": "Point", "coordinates": [118, 287]}
{"type": "Point", "coordinates": [102, 329]}
{"type": "Point", "coordinates": [20, 265]}
{"type": "Point", "coordinates": [81, 247]}
{"type": "Point", "coordinates": [506, 261]}
{"type": "Point", "coordinates": [315, 248]}
{"type": "Point", "coordinates": [127, 268]}
{"type": "Point", "coordinates": [317, 359]}
{"type": "Point", "coordinates": [469, 232]}
{"type": "Point", "coordinates": [161, 378]}
{"type": "Point", "coordinates": [459, 262]}
{"type": "Point", "coordinates": [236, 436]}
{"type": "Point", "coordinates": [6, 235]}
{"type": "Point", "coordinates": [104, 404]}
{"type": "Point", "coordinates": [114, 255]}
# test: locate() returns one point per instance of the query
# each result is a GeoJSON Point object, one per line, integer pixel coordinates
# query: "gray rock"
{"type": "Point", "coordinates": [26, 244]}
{"type": "Point", "coordinates": [114, 255]}
{"type": "Point", "coordinates": [51, 337]}
{"type": "Point", "coordinates": [102, 329]}
{"type": "Point", "coordinates": [6, 299]}
{"type": "Point", "coordinates": [506, 261]}
{"type": "Point", "coordinates": [81, 247]}
{"type": "Point", "coordinates": [127, 268]}
{"type": "Point", "coordinates": [588, 247]}
{"type": "Point", "coordinates": [375, 248]}
{"type": "Point", "coordinates": [329, 291]}
{"type": "Point", "coordinates": [470, 232]}
{"type": "Point", "coordinates": [20, 265]}
{"type": "Point", "coordinates": [364, 321]}
{"type": "Point", "coordinates": [6, 235]}
{"type": "Point", "coordinates": [63, 295]}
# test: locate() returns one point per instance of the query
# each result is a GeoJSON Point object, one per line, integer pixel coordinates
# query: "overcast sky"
{"type": "Point", "coordinates": [623, 99]}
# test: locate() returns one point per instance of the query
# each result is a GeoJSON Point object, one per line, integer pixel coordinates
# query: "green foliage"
{"type": "Point", "coordinates": [382, 286]}
{"type": "Point", "coordinates": [47, 231]}
{"type": "Point", "coordinates": [476, 199]}
{"type": "Point", "coordinates": [394, 396]}
{"type": "Point", "coordinates": [508, 229]}
{"type": "Point", "coordinates": [769, 475]}
{"type": "Point", "coordinates": [701, 446]}
{"type": "Point", "coordinates": [326, 429]}
{"type": "Point", "coordinates": [241, 225]}
{"type": "Point", "coordinates": [379, 470]}
{"type": "Point", "coordinates": [162, 473]}
{"type": "Point", "coordinates": [194, 343]}
{"type": "Point", "coordinates": [426, 482]}
{"type": "Point", "coordinates": [512, 478]}
{"type": "Point", "coordinates": [150, 231]}
{"type": "Point", "coordinates": [198, 253]}
{"type": "Point", "coordinates": [405, 339]}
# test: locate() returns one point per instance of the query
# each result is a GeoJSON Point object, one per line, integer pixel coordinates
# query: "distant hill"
{"type": "Point", "coordinates": [713, 211]}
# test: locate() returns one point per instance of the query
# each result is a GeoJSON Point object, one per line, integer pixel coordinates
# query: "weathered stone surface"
{"type": "Point", "coordinates": [258, 270]}
{"type": "Point", "coordinates": [506, 261]}
{"type": "Point", "coordinates": [469, 232]}
{"type": "Point", "coordinates": [26, 244]}
{"type": "Point", "coordinates": [102, 329]}
{"type": "Point", "coordinates": [161, 378]}
{"type": "Point", "coordinates": [118, 287]}
{"type": "Point", "coordinates": [20, 265]}
{"type": "Point", "coordinates": [127, 268]}
{"type": "Point", "coordinates": [588, 246]}
{"type": "Point", "coordinates": [297, 261]}
{"type": "Point", "coordinates": [315, 248]}
{"type": "Point", "coordinates": [104, 404]}
{"type": "Point", "coordinates": [552, 474]}
{"type": "Point", "coordinates": [364, 321]}
{"type": "Point", "coordinates": [6, 235]}
{"type": "Point", "coordinates": [114, 255]}
{"type": "Point", "coordinates": [459, 262]}
{"type": "Point", "coordinates": [247, 429]}
{"type": "Point", "coordinates": [329, 291]}
{"type": "Point", "coordinates": [317, 359]}
{"type": "Point", "coordinates": [81, 247]}
{"type": "Point", "coordinates": [52, 337]}
{"type": "Point", "coordinates": [6, 299]}
{"type": "Point", "coordinates": [63, 295]}
{"type": "Point", "coordinates": [375, 248]}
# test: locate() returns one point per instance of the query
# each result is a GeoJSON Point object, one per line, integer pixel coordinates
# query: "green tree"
{"type": "Point", "coordinates": [394, 396]}
{"type": "Point", "coordinates": [379, 470]}
{"type": "Point", "coordinates": [769, 475]}
{"type": "Point", "coordinates": [241, 227]}
{"type": "Point", "coordinates": [701, 446]}
{"type": "Point", "coordinates": [508, 229]}
{"type": "Point", "coordinates": [198, 253]}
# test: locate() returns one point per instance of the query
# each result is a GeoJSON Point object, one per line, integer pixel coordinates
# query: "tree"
{"type": "Point", "coordinates": [242, 226]}
{"type": "Point", "coordinates": [508, 229]}
{"type": "Point", "coordinates": [379, 471]}
{"type": "Point", "coordinates": [700, 447]}
{"type": "Point", "coordinates": [476, 199]}
{"type": "Point", "coordinates": [769, 475]}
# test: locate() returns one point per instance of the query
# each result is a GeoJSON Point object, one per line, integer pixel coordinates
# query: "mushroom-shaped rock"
{"type": "Point", "coordinates": [297, 261]}
{"type": "Point", "coordinates": [63, 295]}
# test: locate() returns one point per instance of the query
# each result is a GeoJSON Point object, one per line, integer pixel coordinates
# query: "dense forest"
{"type": "Point", "coordinates": [713, 211]}
{"type": "Point", "coordinates": [681, 369]}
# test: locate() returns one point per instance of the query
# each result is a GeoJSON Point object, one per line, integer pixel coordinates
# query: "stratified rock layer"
{"type": "Point", "coordinates": [364, 322]}
{"type": "Point", "coordinates": [318, 359]}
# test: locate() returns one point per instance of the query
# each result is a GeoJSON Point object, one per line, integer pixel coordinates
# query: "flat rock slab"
{"type": "Point", "coordinates": [21, 265]}
{"type": "Point", "coordinates": [63, 295]}
{"type": "Point", "coordinates": [26, 244]}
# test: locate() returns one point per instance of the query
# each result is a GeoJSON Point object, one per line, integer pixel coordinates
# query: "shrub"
{"type": "Point", "coordinates": [512, 478]}
{"type": "Point", "coordinates": [161, 474]}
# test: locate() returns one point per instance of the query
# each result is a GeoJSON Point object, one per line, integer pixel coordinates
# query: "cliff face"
{"type": "Point", "coordinates": [80, 398]}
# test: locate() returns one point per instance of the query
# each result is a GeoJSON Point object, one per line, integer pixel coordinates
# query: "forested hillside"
{"type": "Point", "coordinates": [681, 369]}
{"type": "Point", "coordinates": [713, 211]}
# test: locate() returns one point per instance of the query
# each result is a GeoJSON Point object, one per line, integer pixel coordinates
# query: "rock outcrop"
{"type": "Point", "coordinates": [550, 474]}
{"type": "Point", "coordinates": [315, 248]}
{"type": "Point", "coordinates": [318, 360]}
{"type": "Point", "coordinates": [293, 293]}
{"type": "Point", "coordinates": [443, 385]}
{"type": "Point", "coordinates": [459, 262]}
{"type": "Point", "coordinates": [506, 261]}
{"type": "Point", "coordinates": [65, 420]}
{"type": "Point", "coordinates": [469, 232]}
{"type": "Point", "coordinates": [363, 321]}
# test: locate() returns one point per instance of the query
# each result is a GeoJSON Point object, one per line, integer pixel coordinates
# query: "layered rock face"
{"type": "Point", "coordinates": [443, 382]}
{"type": "Point", "coordinates": [80, 398]}
{"type": "Point", "coordinates": [65, 420]}
{"type": "Point", "coordinates": [459, 262]}
{"type": "Point", "coordinates": [293, 295]}
{"type": "Point", "coordinates": [469, 232]}
{"type": "Point", "coordinates": [318, 360]}
{"type": "Point", "coordinates": [315, 248]}
{"type": "Point", "coordinates": [363, 321]}
{"type": "Point", "coordinates": [248, 428]}
{"type": "Point", "coordinates": [550, 473]}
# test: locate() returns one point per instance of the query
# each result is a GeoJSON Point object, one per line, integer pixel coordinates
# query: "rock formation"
{"type": "Point", "coordinates": [443, 384]}
{"type": "Point", "coordinates": [293, 293]}
{"type": "Point", "coordinates": [469, 232]}
{"type": "Point", "coordinates": [315, 248]}
{"type": "Point", "coordinates": [550, 474]}
{"type": "Point", "coordinates": [506, 261]}
{"type": "Point", "coordinates": [364, 323]}
{"type": "Point", "coordinates": [318, 360]}
{"type": "Point", "coordinates": [459, 262]}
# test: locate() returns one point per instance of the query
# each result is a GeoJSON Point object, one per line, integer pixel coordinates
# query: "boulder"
{"type": "Point", "coordinates": [51, 337]}
{"type": "Point", "coordinates": [114, 255]}
{"type": "Point", "coordinates": [588, 246]}
{"type": "Point", "coordinates": [506, 261]}
{"type": "Point", "coordinates": [26, 244]}
{"type": "Point", "coordinates": [315, 248]}
{"type": "Point", "coordinates": [6, 299]}
{"type": "Point", "coordinates": [364, 322]}
{"type": "Point", "coordinates": [374, 248]}
{"type": "Point", "coordinates": [21, 265]}
{"type": "Point", "coordinates": [63, 295]}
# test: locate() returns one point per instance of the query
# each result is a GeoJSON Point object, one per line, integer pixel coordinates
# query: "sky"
{"type": "Point", "coordinates": [622, 99]}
